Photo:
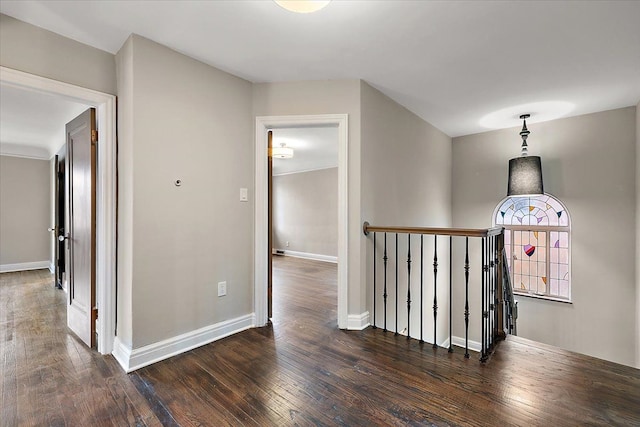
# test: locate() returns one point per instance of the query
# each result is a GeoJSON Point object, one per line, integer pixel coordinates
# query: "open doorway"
{"type": "Point", "coordinates": [105, 106]}
{"type": "Point", "coordinates": [303, 201]}
{"type": "Point", "coordinates": [261, 268]}
{"type": "Point", "coordinates": [42, 132]}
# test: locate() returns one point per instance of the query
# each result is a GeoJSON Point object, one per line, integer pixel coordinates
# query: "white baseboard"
{"type": "Point", "coordinates": [23, 266]}
{"type": "Point", "coordinates": [122, 353]}
{"type": "Point", "coordinates": [52, 268]}
{"type": "Point", "coordinates": [306, 255]}
{"type": "Point", "coordinates": [459, 342]}
{"type": "Point", "coordinates": [130, 360]}
{"type": "Point", "coordinates": [357, 322]}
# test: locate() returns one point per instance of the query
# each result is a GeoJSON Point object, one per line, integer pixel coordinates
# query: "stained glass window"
{"type": "Point", "coordinates": [537, 243]}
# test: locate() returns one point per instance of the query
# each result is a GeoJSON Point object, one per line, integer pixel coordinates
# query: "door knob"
{"type": "Point", "coordinates": [51, 229]}
{"type": "Point", "coordinates": [62, 238]}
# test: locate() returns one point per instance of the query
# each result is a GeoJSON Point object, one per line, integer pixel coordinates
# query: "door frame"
{"type": "Point", "coordinates": [264, 124]}
{"type": "Point", "coordinates": [59, 212]}
{"type": "Point", "coordinates": [106, 196]}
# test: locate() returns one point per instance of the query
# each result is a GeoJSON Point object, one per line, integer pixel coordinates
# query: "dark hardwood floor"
{"type": "Point", "coordinates": [48, 376]}
{"type": "Point", "coordinates": [301, 370]}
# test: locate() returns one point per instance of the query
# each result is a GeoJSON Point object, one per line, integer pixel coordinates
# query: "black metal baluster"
{"type": "Point", "coordinates": [396, 284]}
{"type": "Point", "coordinates": [490, 277]}
{"type": "Point", "coordinates": [488, 296]}
{"type": "Point", "coordinates": [466, 299]}
{"type": "Point", "coordinates": [490, 285]}
{"type": "Point", "coordinates": [496, 297]}
{"type": "Point", "coordinates": [384, 295]}
{"type": "Point", "coordinates": [408, 286]}
{"type": "Point", "coordinates": [483, 354]}
{"type": "Point", "coordinates": [421, 286]}
{"type": "Point", "coordinates": [496, 278]}
{"type": "Point", "coordinates": [450, 293]}
{"type": "Point", "coordinates": [493, 306]}
{"type": "Point", "coordinates": [492, 288]}
{"type": "Point", "coordinates": [374, 280]}
{"type": "Point", "coordinates": [435, 289]}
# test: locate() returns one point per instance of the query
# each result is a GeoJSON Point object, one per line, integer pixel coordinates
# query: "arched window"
{"type": "Point", "coordinates": [537, 243]}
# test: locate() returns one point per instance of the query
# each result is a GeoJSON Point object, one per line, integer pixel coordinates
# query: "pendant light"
{"type": "Point", "coordinates": [525, 172]}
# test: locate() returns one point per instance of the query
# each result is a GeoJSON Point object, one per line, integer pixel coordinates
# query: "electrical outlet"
{"type": "Point", "coordinates": [287, 244]}
{"type": "Point", "coordinates": [222, 289]}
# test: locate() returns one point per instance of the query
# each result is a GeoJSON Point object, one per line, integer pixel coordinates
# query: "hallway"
{"type": "Point", "coordinates": [305, 371]}
{"type": "Point", "coordinates": [301, 370]}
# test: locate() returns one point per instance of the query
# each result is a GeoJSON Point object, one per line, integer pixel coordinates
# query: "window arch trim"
{"type": "Point", "coordinates": [550, 197]}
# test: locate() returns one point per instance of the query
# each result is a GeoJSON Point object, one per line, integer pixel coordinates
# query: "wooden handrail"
{"type": "Point", "coordinates": [469, 232]}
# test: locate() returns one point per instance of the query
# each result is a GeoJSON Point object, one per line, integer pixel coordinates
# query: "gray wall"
{"type": "Point", "coordinates": [406, 181]}
{"type": "Point", "coordinates": [588, 163]}
{"type": "Point", "coordinates": [25, 210]}
{"type": "Point", "coordinates": [305, 212]}
{"type": "Point", "coordinates": [193, 123]}
{"type": "Point", "coordinates": [31, 49]}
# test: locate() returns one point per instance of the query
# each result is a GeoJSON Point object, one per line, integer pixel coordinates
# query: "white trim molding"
{"type": "Point", "coordinates": [358, 322]}
{"type": "Point", "coordinates": [105, 105]}
{"type": "Point", "coordinates": [459, 342]}
{"type": "Point", "coordinates": [264, 124]}
{"type": "Point", "coordinates": [24, 266]}
{"type": "Point", "coordinates": [307, 255]}
{"type": "Point", "coordinates": [305, 171]}
{"type": "Point", "coordinates": [130, 360]}
{"type": "Point", "coordinates": [24, 151]}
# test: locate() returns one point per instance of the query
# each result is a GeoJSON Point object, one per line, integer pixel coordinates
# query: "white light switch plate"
{"type": "Point", "coordinates": [222, 289]}
{"type": "Point", "coordinates": [244, 195]}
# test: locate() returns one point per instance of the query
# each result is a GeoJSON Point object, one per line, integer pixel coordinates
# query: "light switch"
{"type": "Point", "coordinates": [244, 195]}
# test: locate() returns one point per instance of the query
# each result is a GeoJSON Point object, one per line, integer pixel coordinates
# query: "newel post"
{"type": "Point", "coordinates": [500, 334]}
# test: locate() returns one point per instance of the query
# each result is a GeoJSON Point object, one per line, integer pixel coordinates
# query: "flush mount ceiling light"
{"type": "Point", "coordinates": [302, 6]}
{"type": "Point", "coordinates": [541, 112]}
{"type": "Point", "coordinates": [282, 152]}
{"type": "Point", "coordinates": [525, 172]}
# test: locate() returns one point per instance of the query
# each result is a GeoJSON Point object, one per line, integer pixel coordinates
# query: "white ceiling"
{"type": "Point", "coordinates": [450, 62]}
{"type": "Point", "coordinates": [32, 124]}
{"type": "Point", "coordinates": [313, 148]}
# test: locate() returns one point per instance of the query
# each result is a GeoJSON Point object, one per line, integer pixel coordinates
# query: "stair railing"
{"type": "Point", "coordinates": [510, 304]}
{"type": "Point", "coordinates": [492, 277]}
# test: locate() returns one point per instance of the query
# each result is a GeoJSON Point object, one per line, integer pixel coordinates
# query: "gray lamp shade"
{"type": "Point", "coordinates": [525, 176]}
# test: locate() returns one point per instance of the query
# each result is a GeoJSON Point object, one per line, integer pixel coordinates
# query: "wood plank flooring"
{"type": "Point", "coordinates": [48, 376]}
{"type": "Point", "coordinates": [302, 371]}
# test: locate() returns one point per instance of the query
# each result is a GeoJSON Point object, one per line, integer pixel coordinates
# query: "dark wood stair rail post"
{"type": "Point", "coordinates": [492, 299]}
{"type": "Point", "coordinates": [500, 286]}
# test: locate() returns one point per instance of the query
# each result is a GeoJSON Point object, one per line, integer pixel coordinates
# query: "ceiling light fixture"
{"type": "Point", "coordinates": [282, 152]}
{"type": "Point", "coordinates": [525, 172]}
{"type": "Point", "coordinates": [303, 6]}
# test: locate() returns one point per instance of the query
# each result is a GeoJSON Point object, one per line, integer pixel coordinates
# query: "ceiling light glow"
{"type": "Point", "coordinates": [540, 112]}
{"type": "Point", "coordinates": [303, 6]}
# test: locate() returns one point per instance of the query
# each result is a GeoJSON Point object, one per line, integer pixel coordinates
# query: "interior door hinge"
{"type": "Point", "coordinates": [94, 136]}
{"type": "Point", "coordinates": [95, 313]}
